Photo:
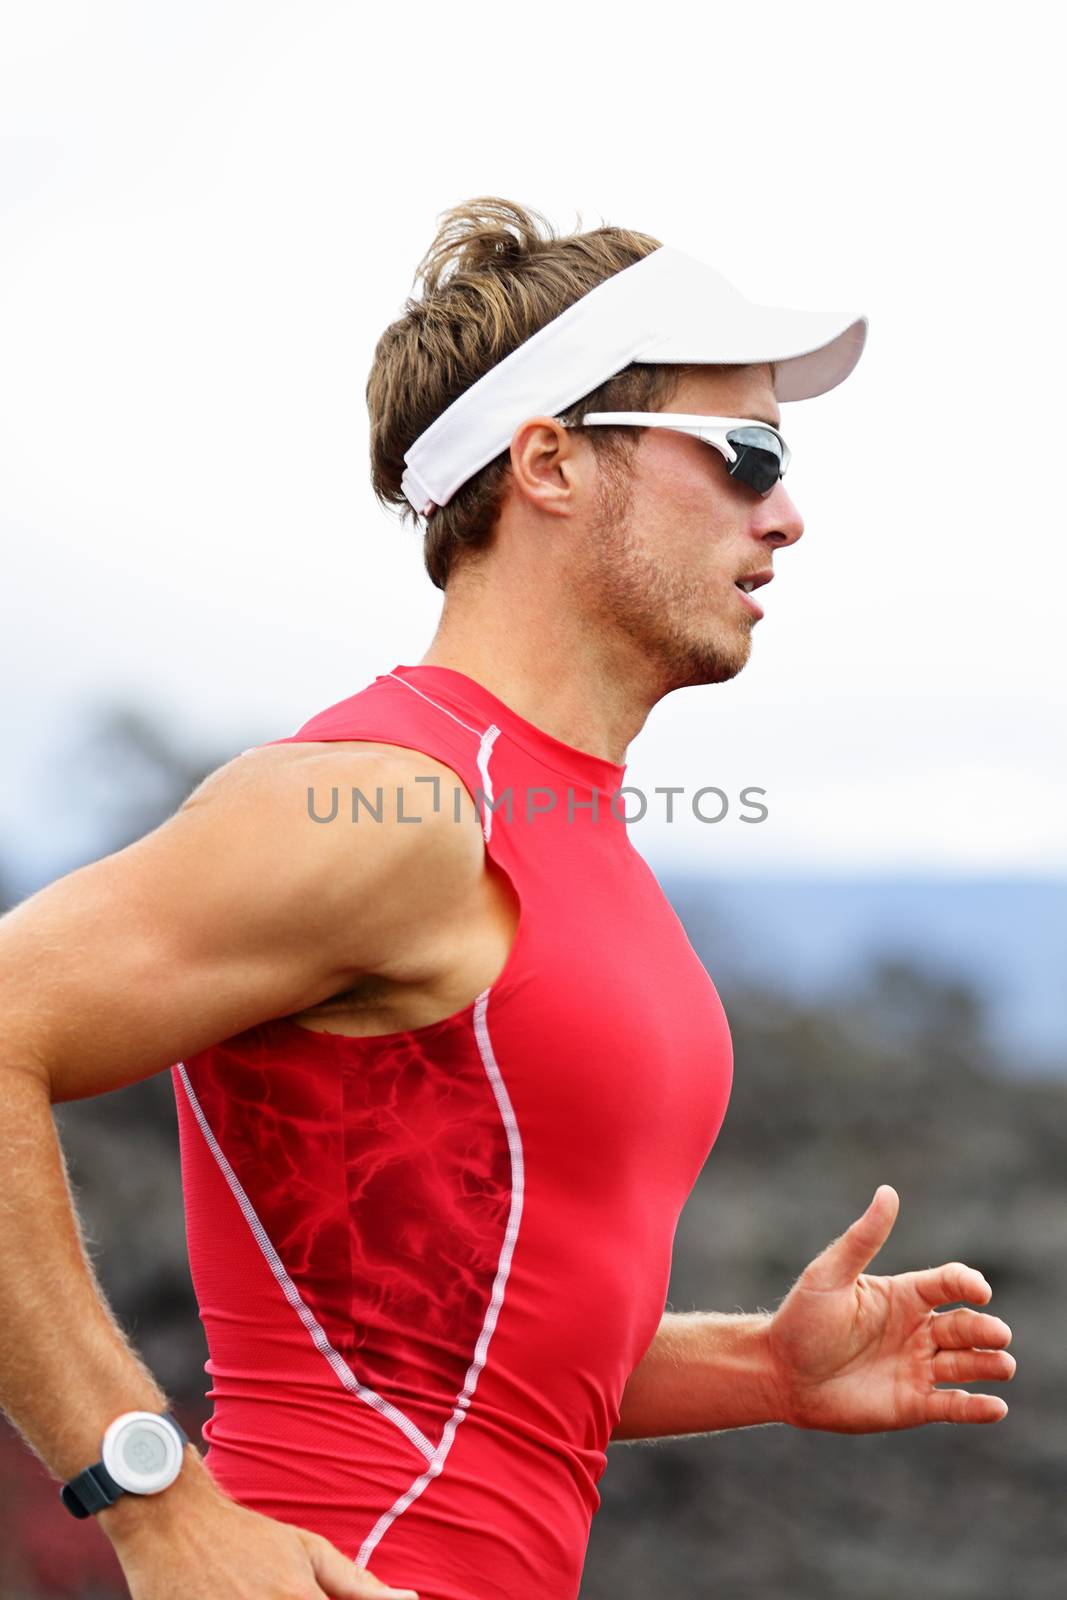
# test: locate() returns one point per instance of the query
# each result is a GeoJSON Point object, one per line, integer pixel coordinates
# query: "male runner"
{"type": "Point", "coordinates": [445, 1064]}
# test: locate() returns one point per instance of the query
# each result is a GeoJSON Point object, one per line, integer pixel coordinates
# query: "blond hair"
{"type": "Point", "coordinates": [494, 275]}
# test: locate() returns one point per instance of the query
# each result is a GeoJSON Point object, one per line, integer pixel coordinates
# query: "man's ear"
{"type": "Point", "coordinates": [550, 465]}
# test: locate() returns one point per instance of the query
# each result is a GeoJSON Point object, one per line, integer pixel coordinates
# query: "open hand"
{"type": "Point", "coordinates": [854, 1353]}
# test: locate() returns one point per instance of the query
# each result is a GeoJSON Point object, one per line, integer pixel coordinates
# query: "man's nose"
{"type": "Point", "coordinates": [778, 520]}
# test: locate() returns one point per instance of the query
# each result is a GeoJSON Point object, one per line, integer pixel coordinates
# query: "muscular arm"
{"type": "Point", "coordinates": [238, 909]}
{"type": "Point", "coordinates": [703, 1372]}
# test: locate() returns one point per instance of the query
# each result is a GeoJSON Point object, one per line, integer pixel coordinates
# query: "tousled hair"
{"type": "Point", "coordinates": [494, 275]}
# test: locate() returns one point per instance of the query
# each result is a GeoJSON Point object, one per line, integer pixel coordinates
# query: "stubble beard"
{"type": "Point", "coordinates": [670, 618]}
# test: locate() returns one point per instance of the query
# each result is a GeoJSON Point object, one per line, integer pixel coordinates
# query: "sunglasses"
{"type": "Point", "coordinates": [754, 452]}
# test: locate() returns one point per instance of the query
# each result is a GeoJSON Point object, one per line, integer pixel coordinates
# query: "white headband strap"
{"type": "Point", "coordinates": [594, 338]}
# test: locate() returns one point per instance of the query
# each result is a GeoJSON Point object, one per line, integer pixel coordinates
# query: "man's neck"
{"type": "Point", "coordinates": [545, 665]}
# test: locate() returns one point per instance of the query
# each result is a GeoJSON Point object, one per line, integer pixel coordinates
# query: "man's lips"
{"type": "Point", "coordinates": [750, 581]}
{"type": "Point", "coordinates": [755, 580]}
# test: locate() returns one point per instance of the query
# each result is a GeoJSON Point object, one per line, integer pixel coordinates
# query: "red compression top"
{"type": "Point", "coordinates": [427, 1262]}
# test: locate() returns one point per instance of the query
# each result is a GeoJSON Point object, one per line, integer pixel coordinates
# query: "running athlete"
{"type": "Point", "coordinates": [445, 1063]}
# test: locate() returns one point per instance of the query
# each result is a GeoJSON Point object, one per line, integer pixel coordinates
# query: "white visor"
{"type": "Point", "coordinates": [667, 307]}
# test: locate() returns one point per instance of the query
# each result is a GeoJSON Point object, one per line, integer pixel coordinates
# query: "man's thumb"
{"type": "Point", "coordinates": [852, 1251]}
{"type": "Point", "coordinates": [342, 1579]}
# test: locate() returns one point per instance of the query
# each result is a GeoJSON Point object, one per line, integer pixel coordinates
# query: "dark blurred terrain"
{"type": "Point", "coordinates": [896, 1078]}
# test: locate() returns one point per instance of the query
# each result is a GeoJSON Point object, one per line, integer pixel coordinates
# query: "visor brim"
{"type": "Point", "coordinates": [812, 351]}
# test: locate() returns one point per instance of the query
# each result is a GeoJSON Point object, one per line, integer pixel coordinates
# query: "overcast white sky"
{"type": "Point", "coordinates": [208, 213]}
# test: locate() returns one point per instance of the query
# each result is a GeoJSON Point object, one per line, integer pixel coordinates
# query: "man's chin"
{"type": "Point", "coordinates": [723, 671]}
{"type": "Point", "coordinates": [717, 663]}
{"type": "Point", "coordinates": [708, 664]}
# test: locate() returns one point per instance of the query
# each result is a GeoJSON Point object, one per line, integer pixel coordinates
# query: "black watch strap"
{"type": "Point", "coordinates": [94, 1489]}
{"type": "Point", "coordinates": [90, 1491]}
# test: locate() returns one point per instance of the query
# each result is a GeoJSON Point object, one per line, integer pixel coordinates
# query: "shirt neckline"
{"type": "Point", "coordinates": [468, 694]}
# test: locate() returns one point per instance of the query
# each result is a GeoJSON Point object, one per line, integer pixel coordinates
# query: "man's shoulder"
{"type": "Point", "coordinates": [289, 763]}
{"type": "Point", "coordinates": [406, 810]}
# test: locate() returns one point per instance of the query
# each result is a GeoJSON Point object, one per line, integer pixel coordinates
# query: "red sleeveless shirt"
{"type": "Point", "coordinates": [428, 1261]}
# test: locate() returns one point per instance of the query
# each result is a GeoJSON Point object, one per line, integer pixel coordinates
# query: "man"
{"type": "Point", "coordinates": [445, 1063]}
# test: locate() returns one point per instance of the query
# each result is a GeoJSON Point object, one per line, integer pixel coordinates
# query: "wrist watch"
{"type": "Point", "coordinates": [141, 1454]}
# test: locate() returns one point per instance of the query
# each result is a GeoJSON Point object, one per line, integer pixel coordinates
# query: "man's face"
{"type": "Point", "coordinates": [674, 539]}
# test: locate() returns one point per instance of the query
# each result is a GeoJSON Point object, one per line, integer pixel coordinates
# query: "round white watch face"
{"type": "Point", "coordinates": [142, 1452]}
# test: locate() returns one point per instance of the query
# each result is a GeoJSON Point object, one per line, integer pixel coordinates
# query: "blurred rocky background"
{"type": "Point", "coordinates": [899, 1069]}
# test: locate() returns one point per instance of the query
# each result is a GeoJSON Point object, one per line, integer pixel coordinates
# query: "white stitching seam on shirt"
{"type": "Point", "coordinates": [511, 1126]}
{"type": "Point", "coordinates": [485, 750]}
{"type": "Point", "coordinates": [290, 1290]}
{"type": "Point", "coordinates": [430, 702]}
{"type": "Point", "coordinates": [515, 1151]}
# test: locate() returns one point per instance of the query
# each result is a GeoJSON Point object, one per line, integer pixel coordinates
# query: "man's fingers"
{"type": "Point", "coordinates": [342, 1579]}
{"type": "Point", "coordinates": [964, 1329]}
{"type": "Point", "coordinates": [954, 1281]}
{"type": "Point", "coordinates": [957, 1405]}
{"type": "Point", "coordinates": [966, 1366]}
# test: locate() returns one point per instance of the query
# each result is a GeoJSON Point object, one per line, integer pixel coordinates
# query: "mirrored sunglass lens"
{"type": "Point", "coordinates": [759, 457]}
{"type": "Point", "coordinates": [756, 467]}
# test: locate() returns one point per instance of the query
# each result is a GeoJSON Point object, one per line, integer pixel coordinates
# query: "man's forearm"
{"type": "Point", "coordinates": [66, 1370]}
{"type": "Point", "coordinates": [703, 1372]}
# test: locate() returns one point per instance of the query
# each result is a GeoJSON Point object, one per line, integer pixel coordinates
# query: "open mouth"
{"type": "Point", "coordinates": [745, 586]}
{"type": "Point", "coordinates": [754, 580]}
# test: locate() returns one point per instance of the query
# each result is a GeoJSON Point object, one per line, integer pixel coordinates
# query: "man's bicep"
{"type": "Point", "coordinates": [237, 909]}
